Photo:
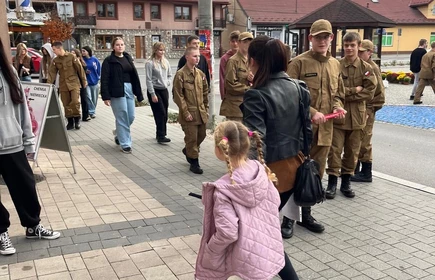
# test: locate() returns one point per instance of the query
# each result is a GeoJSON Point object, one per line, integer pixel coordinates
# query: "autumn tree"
{"type": "Point", "coordinates": [57, 29]}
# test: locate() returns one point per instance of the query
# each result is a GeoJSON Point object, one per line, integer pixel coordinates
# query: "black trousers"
{"type": "Point", "coordinates": [84, 102]}
{"type": "Point", "coordinates": [19, 179]}
{"type": "Point", "coordinates": [160, 110]}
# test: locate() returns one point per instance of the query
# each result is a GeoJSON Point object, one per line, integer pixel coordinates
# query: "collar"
{"type": "Point", "coordinates": [348, 63]}
{"type": "Point", "coordinates": [320, 57]}
{"type": "Point", "coordinates": [187, 71]}
{"type": "Point", "coordinates": [244, 59]}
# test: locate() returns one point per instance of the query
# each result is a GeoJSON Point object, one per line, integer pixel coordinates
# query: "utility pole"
{"type": "Point", "coordinates": [205, 24]}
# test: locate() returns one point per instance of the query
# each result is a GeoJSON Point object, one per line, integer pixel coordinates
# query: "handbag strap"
{"type": "Point", "coordinates": [306, 149]}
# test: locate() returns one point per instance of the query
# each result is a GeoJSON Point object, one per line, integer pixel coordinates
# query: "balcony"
{"type": "Point", "coordinates": [218, 23]}
{"type": "Point", "coordinates": [85, 21]}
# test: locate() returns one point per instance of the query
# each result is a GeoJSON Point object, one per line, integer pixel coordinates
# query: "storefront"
{"type": "Point", "coordinates": [24, 32]}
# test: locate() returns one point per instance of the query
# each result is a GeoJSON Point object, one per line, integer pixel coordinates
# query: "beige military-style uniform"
{"type": "Point", "coordinates": [190, 92]}
{"type": "Point", "coordinates": [365, 152]}
{"type": "Point", "coordinates": [347, 131]}
{"type": "Point", "coordinates": [322, 75]}
{"type": "Point", "coordinates": [236, 84]}
{"type": "Point", "coordinates": [71, 78]}
{"type": "Point", "coordinates": [427, 74]}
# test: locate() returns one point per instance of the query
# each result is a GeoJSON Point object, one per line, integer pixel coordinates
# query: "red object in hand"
{"type": "Point", "coordinates": [333, 115]}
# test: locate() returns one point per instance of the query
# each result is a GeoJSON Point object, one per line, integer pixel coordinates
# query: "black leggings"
{"type": "Point", "coordinates": [288, 272]}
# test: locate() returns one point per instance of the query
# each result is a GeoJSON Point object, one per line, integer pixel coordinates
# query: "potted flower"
{"type": "Point", "coordinates": [406, 80]}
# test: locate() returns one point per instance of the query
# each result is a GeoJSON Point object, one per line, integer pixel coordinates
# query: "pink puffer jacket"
{"type": "Point", "coordinates": [241, 228]}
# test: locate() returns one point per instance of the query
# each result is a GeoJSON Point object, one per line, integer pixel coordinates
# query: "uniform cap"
{"type": "Point", "coordinates": [245, 35]}
{"type": "Point", "coordinates": [366, 45]}
{"type": "Point", "coordinates": [320, 26]}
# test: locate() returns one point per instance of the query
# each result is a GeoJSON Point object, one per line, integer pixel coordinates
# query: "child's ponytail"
{"type": "Point", "coordinates": [223, 145]}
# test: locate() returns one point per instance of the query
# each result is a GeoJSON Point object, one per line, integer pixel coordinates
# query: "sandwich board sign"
{"type": "Point", "coordinates": [47, 119]}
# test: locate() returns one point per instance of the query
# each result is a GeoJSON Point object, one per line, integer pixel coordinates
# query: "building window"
{"type": "Point", "coordinates": [387, 39]}
{"type": "Point", "coordinates": [183, 12]}
{"type": "Point", "coordinates": [104, 42]}
{"type": "Point", "coordinates": [155, 12]}
{"type": "Point", "coordinates": [80, 9]}
{"type": "Point", "coordinates": [106, 10]}
{"type": "Point", "coordinates": [179, 41]}
{"type": "Point", "coordinates": [433, 10]}
{"type": "Point", "coordinates": [138, 11]}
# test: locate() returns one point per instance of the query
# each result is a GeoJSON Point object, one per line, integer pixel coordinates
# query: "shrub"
{"type": "Point", "coordinates": [407, 79]}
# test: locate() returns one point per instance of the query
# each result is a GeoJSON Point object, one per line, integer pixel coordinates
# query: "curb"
{"type": "Point", "coordinates": [405, 183]}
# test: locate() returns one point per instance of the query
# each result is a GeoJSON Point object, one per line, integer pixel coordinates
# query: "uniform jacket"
{"type": "Point", "coordinates": [358, 73]}
{"type": "Point", "coordinates": [323, 78]}
{"type": "Point", "coordinates": [273, 111]}
{"type": "Point", "coordinates": [222, 69]}
{"type": "Point", "coordinates": [427, 66]}
{"type": "Point", "coordinates": [202, 65]}
{"type": "Point", "coordinates": [112, 83]}
{"type": "Point", "coordinates": [190, 92]}
{"type": "Point", "coordinates": [236, 84]}
{"type": "Point", "coordinates": [379, 97]}
{"type": "Point", "coordinates": [70, 72]}
{"type": "Point", "coordinates": [241, 227]}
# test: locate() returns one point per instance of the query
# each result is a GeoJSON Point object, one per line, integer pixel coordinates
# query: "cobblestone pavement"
{"type": "Point", "coordinates": [129, 216]}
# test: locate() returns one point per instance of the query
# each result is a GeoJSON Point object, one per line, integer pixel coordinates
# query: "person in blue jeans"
{"type": "Point", "coordinates": [93, 75]}
{"type": "Point", "coordinates": [119, 84]}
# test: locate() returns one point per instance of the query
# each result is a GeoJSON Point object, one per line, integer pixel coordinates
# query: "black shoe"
{"type": "Point", "coordinates": [126, 150]}
{"type": "Point", "coordinates": [116, 140]}
{"type": "Point", "coordinates": [365, 175]}
{"type": "Point", "coordinates": [417, 102]}
{"type": "Point", "coordinates": [70, 124]}
{"type": "Point", "coordinates": [345, 188]}
{"type": "Point", "coordinates": [287, 228]}
{"type": "Point", "coordinates": [184, 153]}
{"type": "Point", "coordinates": [309, 222]}
{"type": "Point", "coordinates": [332, 187]}
{"type": "Point", "coordinates": [411, 97]}
{"type": "Point", "coordinates": [162, 140]}
{"type": "Point", "coordinates": [194, 166]}
{"type": "Point", "coordinates": [39, 232]}
{"type": "Point", "coordinates": [77, 122]}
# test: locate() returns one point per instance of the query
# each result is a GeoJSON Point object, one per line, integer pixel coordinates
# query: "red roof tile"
{"type": "Point", "coordinates": [416, 3]}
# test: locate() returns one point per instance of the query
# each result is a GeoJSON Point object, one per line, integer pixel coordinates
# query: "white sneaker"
{"type": "Point", "coordinates": [6, 247]}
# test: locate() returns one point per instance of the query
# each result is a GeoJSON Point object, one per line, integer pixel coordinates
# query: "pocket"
{"type": "Point", "coordinates": [333, 85]}
{"type": "Point", "coordinates": [213, 261]}
{"type": "Point", "coordinates": [13, 134]}
{"type": "Point", "coordinates": [189, 85]}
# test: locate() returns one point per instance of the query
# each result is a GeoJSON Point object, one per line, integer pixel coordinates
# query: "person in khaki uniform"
{"type": "Point", "coordinates": [427, 74]}
{"type": "Point", "coordinates": [360, 85]}
{"type": "Point", "coordinates": [71, 75]}
{"type": "Point", "coordinates": [365, 152]}
{"type": "Point", "coordinates": [321, 72]}
{"type": "Point", "coordinates": [190, 91]}
{"type": "Point", "coordinates": [237, 80]}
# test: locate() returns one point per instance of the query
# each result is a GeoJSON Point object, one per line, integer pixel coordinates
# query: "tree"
{"type": "Point", "coordinates": [57, 29]}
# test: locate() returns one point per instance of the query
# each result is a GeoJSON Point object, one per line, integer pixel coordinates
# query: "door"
{"type": "Point", "coordinates": [140, 47]}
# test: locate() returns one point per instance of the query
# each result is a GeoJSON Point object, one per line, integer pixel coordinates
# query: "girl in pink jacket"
{"type": "Point", "coordinates": [241, 228]}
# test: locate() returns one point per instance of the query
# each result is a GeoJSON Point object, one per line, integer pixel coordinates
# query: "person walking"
{"type": "Point", "coordinates": [234, 47]}
{"type": "Point", "coordinates": [17, 144]}
{"type": "Point", "coordinates": [83, 93]}
{"type": "Point", "coordinates": [158, 79]}
{"type": "Point", "coordinates": [93, 75]}
{"type": "Point", "coordinates": [119, 84]}
{"type": "Point", "coordinates": [415, 64]}
{"type": "Point", "coordinates": [427, 74]}
{"type": "Point", "coordinates": [321, 72]}
{"type": "Point", "coordinates": [23, 63]}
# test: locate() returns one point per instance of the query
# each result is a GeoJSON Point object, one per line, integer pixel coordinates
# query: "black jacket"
{"type": "Point", "coordinates": [202, 65]}
{"type": "Point", "coordinates": [415, 59]}
{"type": "Point", "coordinates": [112, 84]}
{"type": "Point", "coordinates": [273, 111]}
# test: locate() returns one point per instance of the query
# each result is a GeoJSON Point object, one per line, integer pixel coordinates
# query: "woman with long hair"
{"type": "Point", "coordinates": [23, 63]}
{"type": "Point", "coordinates": [158, 79]}
{"type": "Point", "coordinates": [16, 146]}
{"type": "Point", "coordinates": [83, 91]}
{"type": "Point", "coordinates": [271, 107]}
{"type": "Point", "coordinates": [93, 75]}
{"type": "Point", "coordinates": [119, 84]}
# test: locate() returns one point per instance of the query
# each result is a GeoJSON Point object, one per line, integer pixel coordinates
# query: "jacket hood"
{"type": "Point", "coordinates": [47, 47]}
{"type": "Point", "coordinates": [252, 191]}
{"type": "Point", "coordinates": [230, 52]}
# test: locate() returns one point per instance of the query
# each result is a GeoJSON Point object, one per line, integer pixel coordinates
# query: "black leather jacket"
{"type": "Point", "coordinates": [273, 111]}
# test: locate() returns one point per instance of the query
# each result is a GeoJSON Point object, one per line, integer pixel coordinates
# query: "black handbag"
{"type": "Point", "coordinates": [308, 189]}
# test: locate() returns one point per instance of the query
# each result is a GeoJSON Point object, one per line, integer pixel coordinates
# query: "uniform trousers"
{"type": "Point", "coordinates": [420, 88]}
{"type": "Point", "coordinates": [71, 103]}
{"type": "Point", "coordinates": [19, 179]}
{"type": "Point", "coordinates": [319, 153]}
{"type": "Point", "coordinates": [365, 152]}
{"type": "Point", "coordinates": [160, 110]}
{"type": "Point", "coordinates": [193, 137]}
{"type": "Point", "coordinates": [350, 141]}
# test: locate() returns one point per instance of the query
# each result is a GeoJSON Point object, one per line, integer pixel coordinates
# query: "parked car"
{"type": "Point", "coordinates": [36, 58]}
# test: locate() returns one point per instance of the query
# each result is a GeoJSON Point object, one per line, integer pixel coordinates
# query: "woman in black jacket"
{"type": "Point", "coordinates": [119, 84]}
{"type": "Point", "coordinates": [271, 107]}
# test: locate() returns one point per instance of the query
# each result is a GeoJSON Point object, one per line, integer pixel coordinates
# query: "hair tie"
{"type": "Point", "coordinates": [225, 138]}
{"type": "Point", "coordinates": [250, 134]}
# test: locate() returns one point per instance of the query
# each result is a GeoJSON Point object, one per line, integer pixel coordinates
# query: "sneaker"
{"type": "Point", "coordinates": [116, 140]}
{"type": "Point", "coordinates": [39, 232]}
{"type": "Point", "coordinates": [6, 247]}
{"type": "Point", "coordinates": [126, 150]}
{"type": "Point", "coordinates": [93, 116]}
{"type": "Point", "coordinates": [162, 140]}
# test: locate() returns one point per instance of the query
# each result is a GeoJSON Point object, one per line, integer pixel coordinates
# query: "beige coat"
{"type": "Point", "coordinates": [379, 97]}
{"type": "Point", "coordinates": [71, 73]}
{"type": "Point", "coordinates": [428, 66]}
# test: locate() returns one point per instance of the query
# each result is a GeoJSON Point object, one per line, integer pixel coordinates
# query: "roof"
{"type": "Point", "coordinates": [337, 12]}
{"type": "Point", "coordinates": [288, 11]}
{"type": "Point", "coordinates": [416, 3]}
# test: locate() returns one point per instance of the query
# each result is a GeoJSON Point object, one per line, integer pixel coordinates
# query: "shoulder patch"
{"type": "Point", "coordinates": [367, 73]}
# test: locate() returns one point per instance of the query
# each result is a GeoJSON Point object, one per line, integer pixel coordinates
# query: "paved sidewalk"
{"type": "Point", "coordinates": [129, 216]}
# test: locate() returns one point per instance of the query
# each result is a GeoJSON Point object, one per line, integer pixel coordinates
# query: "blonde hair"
{"type": "Point", "coordinates": [164, 62]}
{"type": "Point", "coordinates": [233, 138]}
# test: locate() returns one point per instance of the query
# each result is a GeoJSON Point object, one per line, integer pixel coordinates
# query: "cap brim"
{"type": "Point", "coordinates": [363, 49]}
{"type": "Point", "coordinates": [247, 38]}
{"type": "Point", "coordinates": [321, 31]}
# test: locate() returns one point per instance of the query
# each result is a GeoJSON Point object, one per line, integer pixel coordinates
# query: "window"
{"type": "Point", "coordinates": [179, 41]}
{"type": "Point", "coordinates": [433, 10]}
{"type": "Point", "coordinates": [138, 11]}
{"type": "Point", "coordinates": [432, 37]}
{"type": "Point", "coordinates": [155, 12]}
{"type": "Point", "coordinates": [104, 42]}
{"type": "Point", "coordinates": [106, 10]}
{"type": "Point", "coordinates": [80, 9]}
{"type": "Point", "coordinates": [387, 39]}
{"type": "Point", "coordinates": [183, 13]}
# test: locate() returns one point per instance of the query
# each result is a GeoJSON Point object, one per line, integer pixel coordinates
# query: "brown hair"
{"type": "Point", "coordinates": [156, 47]}
{"type": "Point", "coordinates": [46, 60]}
{"type": "Point", "coordinates": [352, 36]}
{"type": "Point", "coordinates": [234, 35]}
{"type": "Point", "coordinates": [116, 39]}
{"type": "Point", "coordinates": [191, 38]}
{"type": "Point", "coordinates": [79, 56]}
{"type": "Point", "coordinates": [57, 44]}
{"type": "Point", "coordinates": [233, 138]}
{"type": "Point", "coordinates": [10, 77]}
{"type": "Point", "coordinates": [189, 50]}
{"type": "Point", "coordinates": [422, 42]}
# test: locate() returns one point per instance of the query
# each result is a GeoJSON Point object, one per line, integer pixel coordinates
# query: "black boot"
{"type": "Point", "coordinates": [332, 187]}
{"type": "Point", "coordinates": [77, 122]}
{"type": "Point", "coordinates": [184, 153]}
{"type": "Point", "coordinates": [345, 186]}
{"type": "Point", "coordinates": [357, 167]}
{"type": "Point", "coordinates": [309, 222]}
{"type": "Point", "coordinates": [365, 175]}
{"type": "Point", "coordinates": [287, 228]}
{"type": "Point", "coordinates": [70, 124]}
{"type": "Point", "coordinates": [194, 166]}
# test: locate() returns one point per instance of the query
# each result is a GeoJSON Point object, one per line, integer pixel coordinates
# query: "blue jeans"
{"type": "Point", "coordinates": [26, 79]}
{"type": "Point", "coordinates": [123, 109]}
{"type": "Point", "coordinates": [416, 79]}
{"type": "Point", "coordinates": [92, 98]}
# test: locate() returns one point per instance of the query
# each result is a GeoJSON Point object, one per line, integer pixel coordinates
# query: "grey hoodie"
{"type": "Point", "coordinates": [15, 125]}
{"type": "Point", "coordinates": [49, 49]}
